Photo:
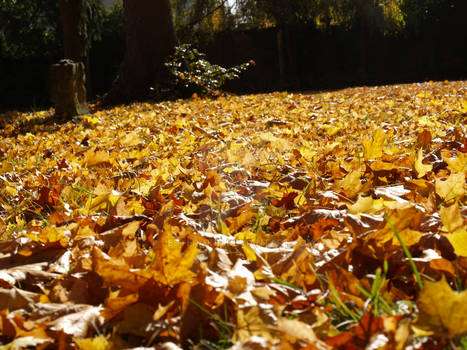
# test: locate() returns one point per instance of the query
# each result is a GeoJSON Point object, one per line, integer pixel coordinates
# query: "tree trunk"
{"type": "Point", "coordinates": [282, 56]}
{"type": "Point", "coordinates": [68, 77]}
{"type": "Point", "coordinates": [363, 46]}
{"type": "Point", "coordinates": [150, 39]}
{"type": "Point", "coordinates": [287, 59]}
{"type": "Point", "coordinates": [74, 36]}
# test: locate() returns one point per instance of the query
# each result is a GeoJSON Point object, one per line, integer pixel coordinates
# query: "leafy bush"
{"type": "Point", "coordinates": [192, 73]}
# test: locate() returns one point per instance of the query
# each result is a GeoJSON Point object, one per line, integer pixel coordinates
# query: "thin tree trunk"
{"type": "Point", "coordinates": [364, 38]}
{"type": "Point", "coordinates": [282, 56]}
{"type": "Point", "coordinates": [75, 41]}
{"type": "Point", "coordinates": [150, 39]}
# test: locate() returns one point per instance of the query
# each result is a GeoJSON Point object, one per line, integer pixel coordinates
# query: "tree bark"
{"type": "Point", "coordinates": [74, 35]}
{"type": "Point", "coordinates": [150, 39]}
{"type": "Point", "coordinates": [281, 56]}
{"type": "Point", "coordinates": [363, 48]}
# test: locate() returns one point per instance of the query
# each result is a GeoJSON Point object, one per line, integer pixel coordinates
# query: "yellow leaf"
{"type": "Point", "coordinates": [442, 310]}
{"type": "Point", "coordinates": [330, 146]}
{"type": "Point", "coordinates": [246, 235]}
{"type": "Point", "coordinates": [116, 272]}
{"type": "Point", "coordinates": [362, 205]}
{"type": "Point", "coordinates": [408, 236]}
{"type": "Point", "coordinates": [424, 95]}
{"type": "Point", "coordinates": [331, 130]}
{"type": "Point", "coordinates": [452, 187]}
{"type": "Point", "coordinates": [11, 191]}
{"type": "Point", "coordinates": [457, 164]}
{"type": "Point", "coordinates": [421, 168]}
{"type": "Point", "coordinates": [451, 217]}
{"type": "Point", "coordinates": [116, 302]}
{"type": "Point", "coordinates": [162, 310]}
{"type": "Point", "coordinates": [373, 147]}
{"type": "Point", "coordinates": [234, 223]}
{"type": "Point", "coordinates": [307, 151]}
{"type": "Point", "coordinates": [268, 136]}
{"type": "Point", "coordinates": [253, 321]}
{"type": "Point", "coordinates": [50, 234]}
{"type": "Point", "coordinates": [463, 107]}
{"type": "Point", "coordinates": [351, 183]}
{"type": "Point", "coordinates": [136, 206]}
{"type": "Point", "coordinates": [249, 252]}
{"type": "Point", "coordinates": [401, 216]}
{"type": "Point", "coordinates": [103, 201]}
{"type": "Point", "coordinates": [171, 266]}
{"type": "Point", "coordinates": [5, 167]}
{"type": "Point", "coordinates": [131, 139]}
{"type": "Point", "coordinates": [93, 158]}
{"type": "Point", "coordinates": [98, 343]}
{"type": "Point", "coordinates": [298, 330]}
{"type": "Point", "coordinates": [90, 120]}
{"type": "Point", "coordinates": [427, 121]}
{"type": "Point", "coordinates": [459, 241]}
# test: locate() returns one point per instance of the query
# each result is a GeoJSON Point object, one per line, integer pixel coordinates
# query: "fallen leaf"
{"type": "Point", "coordinates": [421, 168]}
{"type": "Point", "coordinates": [97, 343]}
{"type": "Point", "coordinates": [452, 187]}
{"type": "Point", "coordinates": [171, 266]}
{"type": "Point", "coordinates": [451, 217]}
{"type": "Point", "coordinates": [458, 240]}
{"type": "Point", "coordinates": [442, 310]}
{"type": "Point", "coordinates": [373, 147]}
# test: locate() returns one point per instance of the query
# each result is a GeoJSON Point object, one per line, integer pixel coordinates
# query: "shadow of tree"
{"type": "Point", "coordinates": [13, 124]}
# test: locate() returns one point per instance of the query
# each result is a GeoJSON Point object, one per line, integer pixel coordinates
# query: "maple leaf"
{"type": "Point", "coordinates": [373, 147]}
{"type": "Point", "coordinates": [451, 217]}
{"type": "Point", "coordinates": [441, 310]}
{"type": "Point", "coordinates": [452, 187]}
{"type": "Point", "coordinates": [171, 266]}
{"type": "Point", "coordinates": [97, 343]}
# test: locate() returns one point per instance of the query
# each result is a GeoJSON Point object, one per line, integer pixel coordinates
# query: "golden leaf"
{"type": "Point", "coordinates": [253, 321]}
{"type": "Point", "coordinates": [93, 158]}
{"type": "Point", "coordinates": [98, 343]}
{"type": "Point", "coordinates": [451, 217]}
{"type": "Point", "coordinates": [117, 302]}
{"type": "Point", "coordinates": [249, 252]}
{"type": "Point", "coordinates": [452, 187]}
{"type": "Point", "coordinates": [421, 168]}
{"type": "Point", "coordinates": [457, 164]}
{"type": "Point", "coordinates": [171, 266]}
{"type": "Point", "coordinates": [351, 183]}
{"type": "Point", "coordinates": [459, 241]}
{"type": "Point", "coordinates": [442, 311]}
{"type": "Point", "coordinates": [131, 139]}
{"type": "Point", "coordinates": [373, 147]}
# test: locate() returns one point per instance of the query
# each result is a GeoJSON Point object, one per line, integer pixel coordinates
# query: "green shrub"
{"type": "Point", "coordinates": [192, 73]}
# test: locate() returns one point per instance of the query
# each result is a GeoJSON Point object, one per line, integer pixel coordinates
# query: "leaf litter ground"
{"type": "Point", "coordinates": [288, 221]}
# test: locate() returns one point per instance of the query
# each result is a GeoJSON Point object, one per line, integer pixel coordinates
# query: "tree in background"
{"type": "Point", "coordinates": [40, 36]}
{"type": "Point", "coordinates": [281, 15]}
{"type": "Point", "coordinates": [367, 16]}
{"type": "Point", "coordinates": [150, 39]}
{"type": "Point", "coordinates": [81, 23]}
{"type": "Point", "coordinates": [364, 15]}
{"type": "Point", "coordinates": [203, 17]}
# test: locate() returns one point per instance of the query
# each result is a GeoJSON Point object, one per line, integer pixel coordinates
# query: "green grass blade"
{"type": "Point", "coordinates": [407, 252]}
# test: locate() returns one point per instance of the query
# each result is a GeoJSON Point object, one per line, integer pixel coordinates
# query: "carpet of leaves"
{"type": "Point", "coordinates": [289, 221]}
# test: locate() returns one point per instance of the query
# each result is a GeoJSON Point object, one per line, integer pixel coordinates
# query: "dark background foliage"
{"type": "Point", "coordinates": [431, 46]}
